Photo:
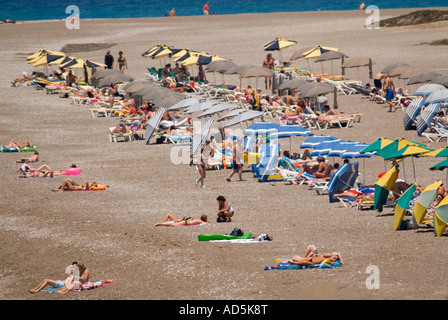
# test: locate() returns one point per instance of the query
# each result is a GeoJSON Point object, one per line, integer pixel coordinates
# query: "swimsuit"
{"type": "Point", "coordinates": [377, 83]}
{"type": "Point", "coordinates": [389, 94]}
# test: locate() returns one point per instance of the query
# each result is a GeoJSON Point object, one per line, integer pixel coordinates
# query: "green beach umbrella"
{"type": "Point", "coordinates": [441, 166]}
{"type": "Point", "coordinates": [383, 186]}
{"type": "Point", "coordinates": [377, 145]}
{"type": "Point", "coordinates": [442, 152]}
{"type": "Point", "coordinates": [424, 201]}
{"type": "Point", "coordinates": [441, 217]}
{"type": "Point", "coordinates": [402, 204]}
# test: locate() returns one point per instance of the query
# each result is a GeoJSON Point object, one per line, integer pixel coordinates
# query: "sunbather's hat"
{"type": "Point", "coordinates": [320, 158]}
{"type": "Point", "coordinates": [282, 71]}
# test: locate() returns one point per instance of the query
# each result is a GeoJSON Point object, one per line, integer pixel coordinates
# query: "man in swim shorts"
{"type": "Point", "coordinates": [389, 86]}
{"type": "Point", "coordinates": [377, 81]}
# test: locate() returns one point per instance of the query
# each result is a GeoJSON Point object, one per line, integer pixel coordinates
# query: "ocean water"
{"type": "Point", "coordinates": [21, 10]}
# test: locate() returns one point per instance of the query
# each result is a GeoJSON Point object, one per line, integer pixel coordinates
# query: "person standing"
{"type": "Point", "coordinates": [268, 63]}
{"type": "Point", "coordinates": [377, 81]}
{"type": "Point", "coordinates": [122, 63]}
{"type": "Point", "coordinates": [237, 164]}
{"type": "Point", "coordinates": [109, 60]}
{"type": "Point", "coordinates": [172, 12]}
{"type": "Point", "coordinates": [206, 9]}
{"type": "Point", "coordinates": [389, 87]}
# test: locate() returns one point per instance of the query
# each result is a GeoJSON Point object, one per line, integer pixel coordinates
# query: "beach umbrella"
{"type": "Point", "coordinates": [398, 71]}
{"type": "Point", "coordinates": [358, 62]}
{"type": "Point", "coordinates": [377, 145]}
{"type": "Point", "coordinates": [239, 68]}
{"type": "Point", "coordinates": [101, 73]}
{"type": "Point", "coordinates": [267, 160]}
{"type": "Point", "coordinates": [402, 204]}
{"type": "Point", "coordinates": [428, 89]}
{"type": "Point", "coordinates": [256, 72]}
{"type": "Point", "coordinates": [317, 51]}
{"type": "Point", "coordinates": [330, 56]}
{"type": "Point", "coordinates": [113, 78]}
{"type": "Point", "coordinates": [135, 86]}
{"type": "Point", "coordinates": [230, 114]}
{"type": "Point", "coordinates": [293, 83]}
{"type": "Point", "coordinates": [428, 113]}
{"type": "Point", "coordinates": [390, 67]}
{"type": "Point", "coordinates": [343, 179]}
{"type": "Point", "coordinates": [424, 200]}
{"type": "Point", "coordinates": [41, 53]}
{"type": "Point", "coordinates": [220, 107]}
{"type": "Point", "coordinates": [299, 53]}
{"type": "Point", "coordinates": [185, 103]}
{"type": "Point", "coordinates": [60, 61]}
{"type": "Point", "coordinates": [261, 128]}
{"type": "Point", "coordinates": [443, 80]}
{"type": "Point", "coordinates": [314, 141]}
{"type": "Point", "coordinates": [219, 65]}
{"type": "Point", "coordinates": [325, 147]}
{"type": "Point", "coordinates": [423, 77]}
{"type": "Point", "coordinates": [437, 96]}
{"type": "Point", "coordinates": [412, 72]}
{"type": "Point", "coordinates": [289, 131]}
{"type": "Point", "coordinates": [441, 217]}
{"type": "Point", "coordinates": [412, 111]}
{"type": "Point", "coordinates": [153, 123]}
{"type": "Point", "coordinates": [278, 44]}
{"type": "Point", "coordinates": [199, 136]}
{"type": "Point", "coordinates": [244, 117]}
{"type": "Point", "coordinates": [441, 152]}
{"type": "Point", "coordinates": [201, 106]}
{"type": "Point", "coordinates": [383, 186]}
{"type": "Point", "coordinates": [316, 89]}
{"type": "Point", "coordinates": [46, 59]}
{"type": "Point", "coordinates": [441, 165]}
{"type": "Point", "coordinates": [348, 148]}
{"type": "Point", "coordinates": [168, 100]}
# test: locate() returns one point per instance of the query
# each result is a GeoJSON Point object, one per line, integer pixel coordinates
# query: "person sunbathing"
{"type": "Point", "coordinates": [120, 129]}
{"type": "Point", "coordinates": [18, 145]}
{"type": "Point", "coordinates": [41, 172]}
{"type": "Point", "coordinates": [312, 168]}
{"type": "Point", "coordinates": [33, 158]}
{"type": "Point", "coordinates": [172, 221]}
{"type": "Point", "coordinates": [70, 185]}
{"type": "Point", "coordinates": [312, 257]}
{"type": "Point", "coordinates": [25, 78]}
{"type": "Point", "coordinates": [179, 132]}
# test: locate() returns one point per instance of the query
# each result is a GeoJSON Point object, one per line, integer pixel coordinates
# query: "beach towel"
{"type": "Point", "coordinates": [285, 265]}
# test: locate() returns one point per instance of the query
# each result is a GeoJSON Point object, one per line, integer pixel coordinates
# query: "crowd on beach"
{"type": "Point", "coordinates": [287, 105]}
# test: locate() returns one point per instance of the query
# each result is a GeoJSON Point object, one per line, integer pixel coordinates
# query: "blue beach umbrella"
{"type": "Point", "coordinates": [428, 113]}
{"type": "Point", "coordinates": [325, 147]}
{"type": "Point", "coordinates": [291, 131]}
{"type": "Point", "coordinates": [412, 111]}
{"type": "Point", "coordinates": [427, 89]}
{"type": "Point", "coordinates": [261, 128]}
{"type": "Point", "coordinates": [313, 141]}
{"type": "Point", "coordinates": [437, 96]}
{"type": "Point", "coordinates": [339, 149]}
{"type": "Point", "coordinates": [344, 178]}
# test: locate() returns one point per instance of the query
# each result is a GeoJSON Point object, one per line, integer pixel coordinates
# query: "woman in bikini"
{"type": "Point", "coordinates": [312, 257]}
{"type": "Point", "coordinates": [172, 221]}
{"type": "Point", "coordinates": [225, 211]}
{"type": "Point", "coordinates": [121, 62]}
{"type": "Point", "coordinates": [268, 63]}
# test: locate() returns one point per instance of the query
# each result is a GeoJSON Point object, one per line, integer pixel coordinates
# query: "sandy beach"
{"type": "Point", "coordinates": [112, 231]}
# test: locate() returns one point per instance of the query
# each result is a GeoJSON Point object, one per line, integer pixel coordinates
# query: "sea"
{"type": "Point", "coordinates": [26, 10]}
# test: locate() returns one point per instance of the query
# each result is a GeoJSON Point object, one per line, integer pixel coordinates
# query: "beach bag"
{"type": "Point", "coordinates": [237, 232]}
{"type": "Point", "coordinates": [221, 219]}
{"type": "Point", "coordinates": [264, 237]}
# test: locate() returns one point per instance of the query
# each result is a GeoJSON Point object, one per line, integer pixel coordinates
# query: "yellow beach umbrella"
{"type": "Point", "coordinates": [402, 204]}
{"type": "Point", "coordinates": [441, 217]}
{"type": "Point", "coordinates": [41, 53]}
{"type": "Point", "coordinates": [424, 200]}
{"type": "Point", "coordinates": [383, 186]}
{"type": "Point", "coordinates": [317, 51]}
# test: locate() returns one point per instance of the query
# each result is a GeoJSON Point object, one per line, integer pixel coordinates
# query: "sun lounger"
{"type": "Point", "coordinates": [114, 137]}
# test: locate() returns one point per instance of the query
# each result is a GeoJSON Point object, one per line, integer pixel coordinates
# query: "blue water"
{"type": "Point", "coordinates": [20, 10]}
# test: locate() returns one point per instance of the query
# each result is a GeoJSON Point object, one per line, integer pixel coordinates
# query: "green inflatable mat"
{"type": "Point", "coordinates": [208, 237]}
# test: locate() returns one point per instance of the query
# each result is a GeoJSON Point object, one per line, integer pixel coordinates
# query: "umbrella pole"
{"type": "Point", "coordinates": [413, 166]}
{"type": "Point", "coordinates": [404, 171]}
{"type": "Point", "coordinates": [364, 171]}
{"type": "Point", "coordinates": [332, 70]}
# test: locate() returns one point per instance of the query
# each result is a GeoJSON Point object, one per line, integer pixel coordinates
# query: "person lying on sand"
{"type": "Point", "coordinates": [172, 221]}
{"type": "Point", "coordinates": [19, 145]}
{"type": "Point", "coordinates": [70, 185]}
{"type": "Point", "coordinates": [312, 257]}
{"type": "Point", "coordinates": [33, 158]}
{"type": "Point", "coordinates": [42, 171]}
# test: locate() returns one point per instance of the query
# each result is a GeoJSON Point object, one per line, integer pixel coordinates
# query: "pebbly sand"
{"type": "Point", "coordinates": [112, 231]}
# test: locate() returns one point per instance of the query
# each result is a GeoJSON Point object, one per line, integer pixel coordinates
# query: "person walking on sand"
{"type": "Point", "coordinates": [236, 162]}
{"type": "Point", "coordinates": [206, 9]}
{"type": "Point", "coordinates": [389, 87]}
{"type": "Point", "coordinates": [121, 62]}
{"type": "Point", "coordinates": [109, 60]}
{"type": "Point", "coordinates": [268, 63]}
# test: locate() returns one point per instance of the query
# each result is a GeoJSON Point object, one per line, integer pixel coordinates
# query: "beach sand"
{"type": "Point", "coordinates": [112, 231]}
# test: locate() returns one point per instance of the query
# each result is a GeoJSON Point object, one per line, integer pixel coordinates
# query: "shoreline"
{"type": "Point", "coordinates": [389, 11]}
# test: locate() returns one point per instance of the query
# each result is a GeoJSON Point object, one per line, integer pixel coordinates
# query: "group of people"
{"type": "Point", "coordinates": [121, 64]}
{"type": "Point", "coordinates": [205, 9]}
{"type": "Point", "coordinates": [224, 213]}
{"type": "Point", "coordinates": [383, 82]}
